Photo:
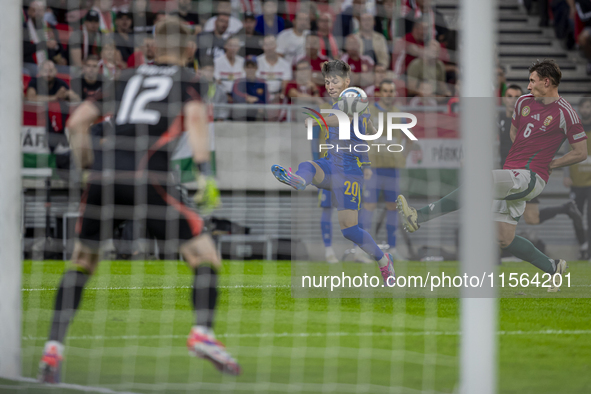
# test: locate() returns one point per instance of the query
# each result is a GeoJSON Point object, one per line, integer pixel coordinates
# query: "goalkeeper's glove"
{"type": "Point", "coordinates": [207, 197]}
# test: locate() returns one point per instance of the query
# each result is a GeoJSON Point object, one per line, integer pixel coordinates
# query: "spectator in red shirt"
{"type": "Point", "coordinates": [361, 65]}
{"type": "Point", "coordinates": [302, 86]}
{"type": "Point", "coordinates": [315, 59]}
{"type": "Point", "coordinates": [144, 54]}
{"type": "Point", "coordinates": [46, 87]}
{"type": "Point", "coordinates": [414, 47]}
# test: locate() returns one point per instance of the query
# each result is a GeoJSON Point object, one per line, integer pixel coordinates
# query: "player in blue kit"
{"type": "Point", "coordinates": [341, 171]}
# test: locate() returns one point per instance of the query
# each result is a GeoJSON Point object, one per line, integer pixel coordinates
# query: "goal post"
{"type": "Point", "coordinates": [10, 188]}
{"type": "Point", "coordinates": [478, 312]}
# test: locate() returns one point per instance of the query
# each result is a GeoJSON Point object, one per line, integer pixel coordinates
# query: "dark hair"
{"type": "Point", "coordinates": [336, 67]}
{"type": "Point", "coordinates": [387, 80]}
{"type": "Point", "coordinates": [585, 99]}
{"type": "Point", "coordinates": [514, 87]}
{"type": "Point", "coordinates": [547, 68]}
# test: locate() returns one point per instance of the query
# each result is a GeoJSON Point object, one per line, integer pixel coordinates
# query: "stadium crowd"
{"type": "Point", "coordinates": [255, 51]}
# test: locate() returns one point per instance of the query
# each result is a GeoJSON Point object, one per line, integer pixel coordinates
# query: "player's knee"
{"type": "Point", "coordinates": [369, 206]}
{"type": "Point", "coordinates": [505, 237]}
{"type": "Point", "coordinates": [201, 250]}
{"type": "Point", "coordinates": [353, 233]}
{"type": "Point", "coordinates": [85, 258]}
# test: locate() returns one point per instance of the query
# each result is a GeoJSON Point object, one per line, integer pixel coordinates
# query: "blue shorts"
{"type": "Point", "coordinates": [345, 187]}
{"type": "Point", "coordinates": [385, 179]}
{"type": "Point", "coordinates": [324, 198]}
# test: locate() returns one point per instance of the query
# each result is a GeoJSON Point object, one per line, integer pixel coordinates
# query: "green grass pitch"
{"type": "Point", "coordinates": [130, 333]}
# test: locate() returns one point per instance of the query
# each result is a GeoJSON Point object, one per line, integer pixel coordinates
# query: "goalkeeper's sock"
{"type": "Point", "coordinates": [326, 226]}
{"type": "Point", "coordinates": [391, 223]}
{"type": "Point", "coordinates": [549, 213]}
{"type": "Point", "coordinates": [362, 238]}
{"type": "Point", "coordinates": [525, 250]}
{"type": "Point", "coordinates": [67, 301]}
{"type": "Point", "coordinates": [447, 204]}
{"type": "Point", "coordinates": [365, 219]}
{"type": "Point", "coordinates": [307, 171]}
{"type": "Point", "coordinates": [204, 295]}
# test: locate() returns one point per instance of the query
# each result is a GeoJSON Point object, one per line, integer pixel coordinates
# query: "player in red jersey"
{"type": "Point", "coordinates": [541, 122]}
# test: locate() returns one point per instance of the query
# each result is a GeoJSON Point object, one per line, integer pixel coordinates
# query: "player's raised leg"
{"type": "Point", "coordinates": [201, 255]}
{"type": "Point", "coordinates": [308, 172]}
{"type": "Point", "coordinates": [67, 301]}
{"type": "Point", "coordinates": [412, 218]}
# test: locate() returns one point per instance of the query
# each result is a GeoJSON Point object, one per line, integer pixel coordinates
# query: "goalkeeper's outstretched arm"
{"type": "Point", "coordinates": [77, 127]}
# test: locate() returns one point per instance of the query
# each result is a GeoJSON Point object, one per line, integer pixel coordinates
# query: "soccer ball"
{"type": "Point", "coordinates": [353, 100]}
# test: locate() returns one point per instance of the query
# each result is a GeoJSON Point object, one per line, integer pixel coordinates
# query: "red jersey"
{"type": "Point", "coordinates": [541, 130]}
{"type": "Point", "coordinates": [363, 63]}
{"type": "Point", "coordinates": [315, 63]}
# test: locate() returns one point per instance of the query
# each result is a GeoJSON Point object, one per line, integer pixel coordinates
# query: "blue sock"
{"type": "Point", "coordinates": [307, 171]}
{"type": "Point", "coordinates": [326, 226]}
{"type": "Point", "coordinates": [364, 241]}
{"type": "Point", "coordinates": [391, 222]}
{"type": "Point", "coordinates": [365, 219]}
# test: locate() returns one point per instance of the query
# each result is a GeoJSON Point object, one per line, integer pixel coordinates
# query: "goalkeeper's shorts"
{"type": "Point", "coordinates": [160, 210]}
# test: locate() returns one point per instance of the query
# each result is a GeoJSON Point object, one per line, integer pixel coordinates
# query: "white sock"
{"type": "Point", "coordinates": [204, 330]}
{"type": "Point", "coordinates": [383, 261]}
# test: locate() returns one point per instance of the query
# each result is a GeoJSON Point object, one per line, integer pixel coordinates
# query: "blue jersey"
{"type": "Point", "coordinates": [346, 158]}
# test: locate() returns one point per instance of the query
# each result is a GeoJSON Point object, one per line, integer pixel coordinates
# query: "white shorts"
{"type": "Point", "coordinates": [512, 189]}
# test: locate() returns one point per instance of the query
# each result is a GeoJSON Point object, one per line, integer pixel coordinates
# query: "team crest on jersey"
{"type": "Point", "coordinates": [525, 111]}
{"type": "Point", "coordinates": [548, 120]}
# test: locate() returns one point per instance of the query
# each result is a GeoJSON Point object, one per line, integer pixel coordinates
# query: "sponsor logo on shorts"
{"type": "Point", "coordinates": [525, 111]}
{"type": "Point", "coordinates": [548, 120]}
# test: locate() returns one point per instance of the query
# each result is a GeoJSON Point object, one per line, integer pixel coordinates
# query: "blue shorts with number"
{"type": "Point", "coordinates": [324, 198]}
{"type": "Point", "coordinates": [345, 186]}
{"type": "Point", "coordinates": [385, 179]}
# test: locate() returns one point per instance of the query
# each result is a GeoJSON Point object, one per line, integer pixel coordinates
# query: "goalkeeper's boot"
{"type": "Point", "coordinates": [202, 343]}
{"type": "Point", "coordinates": [288, 177]}
{"type": "Point", "coordinates": [555, 283]}
{"type": "Point", "coordinates": [409, 215]}
{"type": "Point", "coordinates": [51, 362]}
{"type": "Point", "coordinates": [387, 272]}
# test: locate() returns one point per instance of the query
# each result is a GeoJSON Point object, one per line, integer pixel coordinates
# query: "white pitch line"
{"type": "Point", "coordinates": [167, 287]}
{"type": "Point", "coordinates": [318, 334]}
{"type": "Point", "coordinates": [70, 386]}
